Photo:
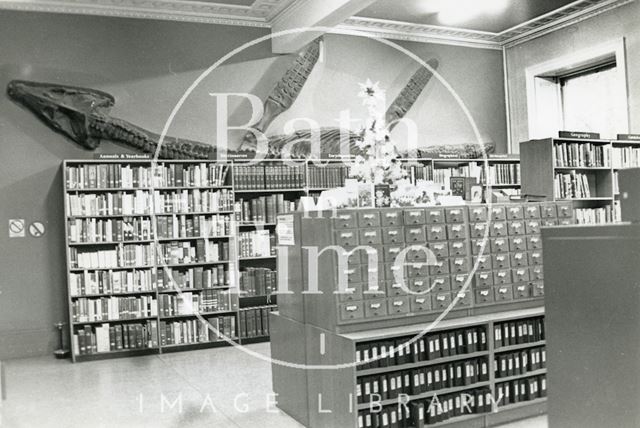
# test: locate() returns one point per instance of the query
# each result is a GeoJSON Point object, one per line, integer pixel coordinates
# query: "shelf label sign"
{"type": "Point", "coordinates": [16, 228]}
{"type": "Point", "coordinates": [284, 230]}
{"type": "Point", "coordinates": [37, 229]}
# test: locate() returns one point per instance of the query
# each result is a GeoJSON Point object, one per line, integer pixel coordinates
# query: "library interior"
{"type": "Point", "coordinates": [320, 213]}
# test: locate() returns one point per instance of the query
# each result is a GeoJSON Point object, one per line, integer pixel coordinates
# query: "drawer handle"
{"type": "Point", "coordinates": [438, 247]}
{"type": "Point", "coordinates": [434, 214]}
{"type": "Point", "coordinates": [535, 255]}
{"type": "Point", "coordinates": [484, 292]}
{"type": "Point", "coordinates": [521, 288]}
{"type": "Point", "coordinates": [496, 211]}
{"type": "Point", "coordinates": [500, 242]}
{"type": "Point", "coordinates": [351, 308]}
{"type": "Point", "coordinates": [415, 231]}
{"type": "Point", "coordinates": [479, 226]}
{"type": "Point", "coordinates": [456, 228]}
{"type": "Point", "coordinates": [502, 274]}
{"type": "Point", "coordinates": [414, 213]}
{"type": "Point", "coordinates": [350, 271]}
{"type": "Point", "coordinates": [439, 281]}
{"type": "Point", "coordinates": [418, 283]}
{"type": "Point", "coordinates": [520, 272]}
{"type": "Point", "coordinates": [393, 232]}
{"type": "Point", "coordinates": [516, 225]}
{"type": "Point", "coordinates": [375, 306]}
{"type": "Point", "coordinates": [484, 276]}
{"type": "Point", "coordinates": [370, 234]}
{"type": "Point", "coordinates": [462, 294]}
{"type": "Point", "coordinates": [513, 210]}
{"type": "Point", "coordinates": [368, 216]}
{"type": "Point", "coordinates": [539, 286]}
{"type": "Point", "coordinates": [345, 217]}
{"type": "Point", "coordinates": [498, 226]}
{"type": "Point", "coordinates": [455, 212]}
{"type": "Point", "coordinates": [477, 211]}
{"type": "Point", "coordinates": [372, 270]}
{"type": "Point", "coordinates": [460, 278]}
{"type": "Point", "coordinates": [458, 262]}
{"type": "Point", "coordinates": [420, 301]}
{"type": "Point", "coordinates": [394, 250]}
{"type": "Point", "coordinates": [500, 258]}
{"type": "Point", "coordinates": [394, 267]}
{"type": "Point", "coordinates": [458, 245]}
{"type": "Point", "coordinates": [391, 215]}
{"type": "Point", "coordinates": [441, 298]}
{"type": "Point", "coordinates": [518, 256]}
{"type": "Point", "coordinates": [396, 286]}
{"type": "Point", "coordinates": [436, 229]}
{"type": "Point", "coordinates": [398, 303]}
{"type": "Point", "coordinates": [417, 265]}
{"type": "Point", "coordinates": [517, 241]}
{"type": "Point", "coordinates": [346, 235]}
{"type": "Point", "coordinates": [535, 240]}
{"type": "Point", "coordinates": [438, 264]}
{"type": "Point", "coordinates": [503, 290]}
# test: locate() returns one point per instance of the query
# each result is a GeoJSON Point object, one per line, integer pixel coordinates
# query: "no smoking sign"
{"type": "Point", "coordinates": [37, 229]}
{"type": "Point", "coordinates": [16, 228]}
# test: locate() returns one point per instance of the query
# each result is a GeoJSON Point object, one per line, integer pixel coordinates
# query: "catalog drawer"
{"type": "Point", "coordinates": [476, 246]}
{"type": "Point", "coordinates": [478, 214]}
{"type": "Point", "coordinates": [484, 279]}
{"type": "Point", "coordinates": [455, 215]}
{"type": "Point", "coordinates": [374, 291]}
{"type": "Point", "coordinates": [345, 221]}
{"type": "Point", "coordinates": [499, 245]}
{"type": "Point", "coordinates": [354, 274]}
{"type": "Point", "coordinates": [416, 254]}
{"type": "Point", "coordinates": [369, 218]}
{"type": "Point", "coordinates": [484, 295]}
{"type": "Point", "coordinates": [549, 222]}
{"type": "Point", "coordinates": [420, 303]}
{"type": "Point", "coordinates": [498, 213]}
{"type": "Point", "coordinates": [536, 273]}
{"type": "Point", "coordinates": [502, 276]}
{"type": "Point", "coordinates": [375, 308]}
{"type": "Point", "coordinates": [417, 270]}
{"type": "Point", "coordinates": [392, 235]}
{"type": "Point", "coordinates": [391, 252]}
{"type": "Point", "coordinates": [532, 211]}
{"type": "Point", "coordinates": [436, 232]}
{"type": "Point", "coordinates": [439, 267]}
{"type": "Point", "coordinates": [346, 238]}
{"type": "Point", "coordinates": [514, 212]}
{"type": "Point", "coordinates": [391, 271]}
{"type": "Point", "coordinates": [459, 264]}
{"type": "Point", "coordinates": [535, 258]}
{"type": "Point", "coordinates": [458, 248]}
{"type": "Point", "coordinates": [458, 281]}
{"type": "Point", "coordinates": [532, 226]}
{"type": "Point", "coordinates": [456, 231]}
{"type": "Point", "coordinates": [435, 215]}
{"type": "Point", "coordinates": [521, 291]}
{"type": "Point", "coordinates": [395, 289]}
{"type": "Point", "coordinates": [440, 283]}
{"type": "Point", "coordinates": [465, 299]}
{"type": "Point", "coordinates": [484, 262]}
{"type": "Point", "coordinates": [353, 257]}
{"type": "Point", "coordinates": [519, 259]}
{"type": "Point", "coordinates": [414, 216]}
{"type": "Point", "coordinates": [353, 292]}
{"type": "Point", "coordinates": [441, 301]}
{"type": "Point", "coordinates": [518, 243]}
{"type": "Point", "coordinates": [351, 311]}
{"type": "Point", "coordinates": [501, 261]}
{"type": "Point", "coordinates": [498, 228]}
{"type": "Point", "coordinates": [414, 234]}
{"type": "Point", "coordinates": [390, 218]}
{"type": "Point", "coordinates": [548, 210]}
{"type": "Point", "coordinates": [534, 242]}
{"type": "Point", "coordinates": [516, 227]}
{"type": "Point", "coordinates": [478, 230]}
{"type": "Point", "coordinates": [503, 293]}
{"type": "Point", "coordinates": [439, 249]}
{"type": "Point", "coordinates": [564, 209]}
{"type": "Point", "coordinates": [419, 285]}
{"type": "Point", "coordinates": [370, 236]}
{"type": "Point", "coordinates": [520, 274]}
{"type": "Point", "coordinates": [398, 305]}
{"type": "Point", "coordinates": [537, 288]}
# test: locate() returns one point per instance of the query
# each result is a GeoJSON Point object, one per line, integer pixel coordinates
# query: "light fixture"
{"type": "Point", "coordinates": [454, 12]}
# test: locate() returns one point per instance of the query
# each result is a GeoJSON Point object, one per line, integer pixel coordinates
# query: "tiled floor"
{"type": "Point", "coordinates": [216, 388]}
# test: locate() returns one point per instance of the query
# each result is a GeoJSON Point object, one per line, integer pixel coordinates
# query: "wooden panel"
{"type": "Point", "coordinates": [537, 167]}
{"type": "Point", "coordinates": [592, 300]}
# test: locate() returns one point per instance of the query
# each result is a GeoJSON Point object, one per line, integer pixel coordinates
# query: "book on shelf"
{"type": "Point", "coordinates": [184, 332]}
{"type": "Point", "coordinates": [521, 362]}
{"type": "Point", "coordinates": [518, 332]}
{"type": "Point", "coordinates": [197, 278]}
{"type": "Point", "coordinates": [189, 303]}
{"type": "Point", "coordinates": [269, 176]}
{"type": "Point", "coordinates": [96, 230]}
{"type": "Point", "coordinates": [625, 157]}
{"type": "Point", "coordinates": [572, 185]}
{"type": "Point", "coordinates": [111, 282]}
{"type": "Point", "coordinates": [123, 256]}
{"type": "Point", "coordinates": [522, 390]}
{"type": "Point", "coordinates": [193, 226]}
{"type": "Point", "coordinates": [188, 201]}
{"type": "Point", "coordinates": [327, 176]}
{"type": "Point", "coordinates": [112, 308]}
{"type": "Point", "coordinates": [109, 338]}
{"type": "Point", "coordinates": [256, 243]}
{"type": "Point", "coordinates": [600, 215]}
{"type": "Point", "coordinates": [186, 252]}
{"type": "Point", "coordinates": [254, 322]}
{"type": "Point", "coordinates": [582, 155]}
{"type": "Point", "coordinates": [263, 209]}
{"type": "Point", "coordinates": [258, 281]}
{"type": "Point", "coordinates": [417, 171]}
{"type": "Point", "coordinates": [136, 202]}
{"type": "Point", "coordinates": [190, 175]}
{"type": "Point", "coordinates": [107, 176]}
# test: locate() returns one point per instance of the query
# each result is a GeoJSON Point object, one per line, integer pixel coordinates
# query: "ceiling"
{"type": "Point", "coordinates": [426, 12]}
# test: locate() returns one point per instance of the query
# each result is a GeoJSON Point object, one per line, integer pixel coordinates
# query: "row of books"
{"type": "Point", "coordinates": [109, 338]}
{"type": "Point", "coordinates": [137, 202]}
{"type": "Point", "coordinates": [599, 215]}
{"type": "Point", "coordinates": [573, 185]}
{"type": "Point", "coordinates": [128, 255]}
{"type": "Point", "coordinates": [194, 278]}
{"type": "Point", "coordinates": [113, 308]}
{"type": "Point", "coordinates": [521, 390]}
{"type": "Point", "coordinates": [188, 303]}
{"type": "Point", "coordinates": [263, 209]}
{"type": "Point", "coordinates": [252, 177]}
{"type": "Point", "coordinates": [107, 176]}
{"type": "Point", "coordinates": [254, 322]}
{"type": "Point", "coordinates": [519, 363]}
{"type": "Point", "coordinates": [418, 172]}
{"type": "Point", "coordinates": [255, 281]}
{"type": "Point", "coordinates": [256, 243]}
{"type": "Point", "coordinates": [625, 157]}
{"type": "Point", "coordinates": [519, 332]}
{"type": "Point", "coordinates": [94, 230]}
{"type": "Point", "coordinates": [192, 201]}
{"type": "Point", "coordinates": [192, 331]}
{"type": "Point", "coordinates": [110, 282]}
{"type": "Point", "coordinates": [190, 175]}
{"type": "Point", "coordinates": [419, 380]}
{"type": "Point", "coordinates": [443, 176]}
{"type": "Point", "coordinates": [429, 411]}
{"type": "Point", "coordinates": [328, 176]}
{"type": "Point", "coordinates": [582, 155]}
{"type": "Point", "coordinates": [196, 226]}
{"type": "Point", "coordinates": [430, 347]}
{"type": "Point", "coordinates": [501, 173]}
{"type": "Point", "coordinates": [186, 252]}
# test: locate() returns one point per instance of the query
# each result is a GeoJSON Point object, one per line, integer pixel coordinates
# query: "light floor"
{"type": "Point", "coordinates": [130, 392]}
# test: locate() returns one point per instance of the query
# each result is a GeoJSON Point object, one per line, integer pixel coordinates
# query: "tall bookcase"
{"type": "Point", "coordinates": [576, 170]}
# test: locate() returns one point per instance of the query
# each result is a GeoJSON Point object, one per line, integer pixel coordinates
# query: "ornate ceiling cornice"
{"type": "Point", "coordinates": [262, 13]}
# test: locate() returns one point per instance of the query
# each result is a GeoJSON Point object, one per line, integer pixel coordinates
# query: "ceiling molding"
{"type": "Point", "coordinates": [263, 13]}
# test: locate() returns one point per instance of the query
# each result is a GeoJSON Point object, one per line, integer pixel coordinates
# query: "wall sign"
{"type": "Point", "coordinates": [16, 228]}
{"type": "Point", "coordinates": [37, 229]}
{"type": "Point", "coordinates": [284, 230]}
